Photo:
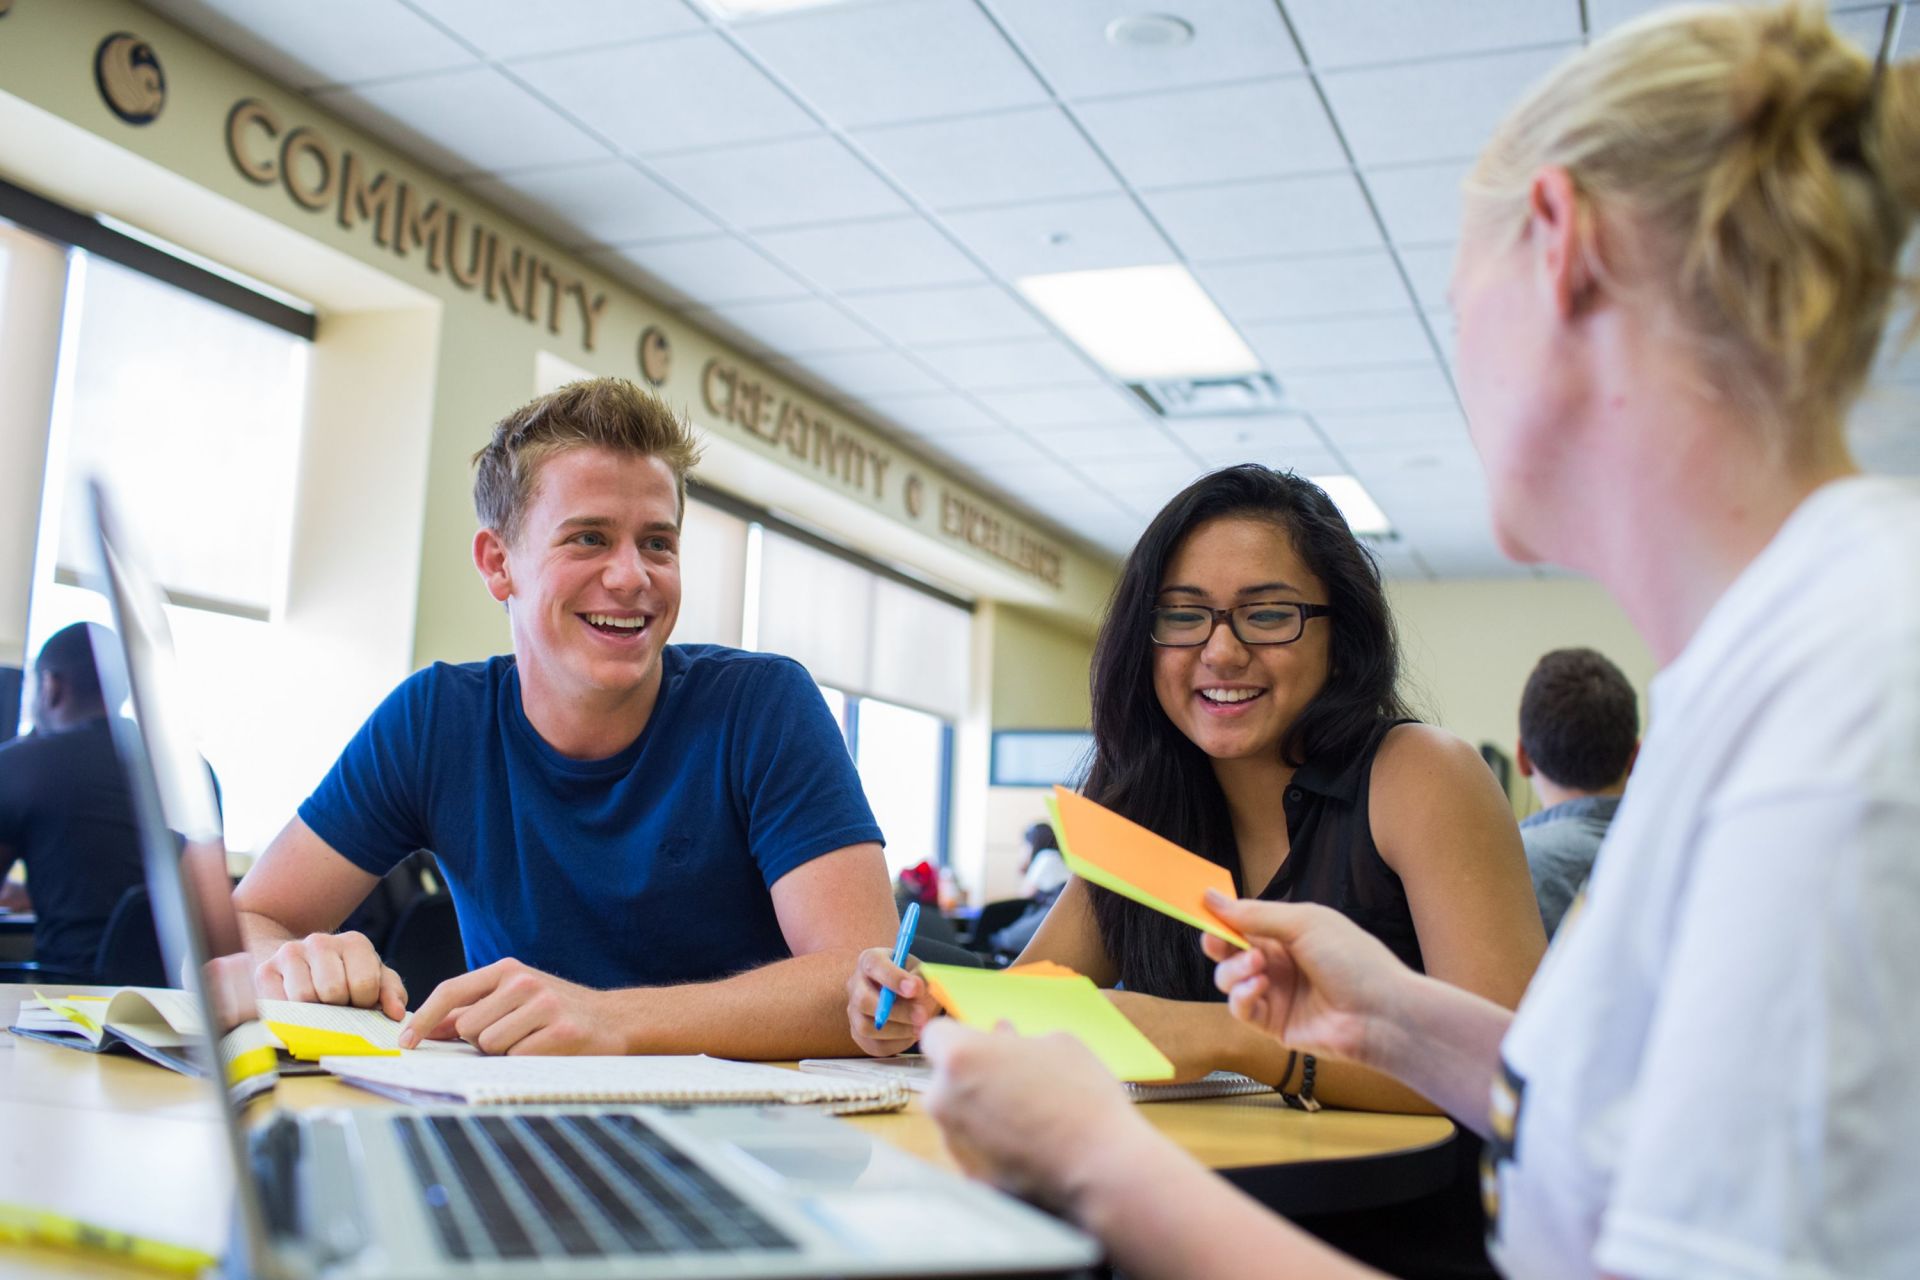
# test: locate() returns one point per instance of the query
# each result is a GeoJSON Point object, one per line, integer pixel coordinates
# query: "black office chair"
{"type": "Point", "coordinates": [994, 917]}
{"type": "Point", "coordinates": [424, 947]}
{"type": "Point", "coordinates": [933, 951]}
{"type": "Point", "coordinates": [129, 954]}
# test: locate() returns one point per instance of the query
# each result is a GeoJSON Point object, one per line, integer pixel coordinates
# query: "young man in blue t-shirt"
{"type": "Point", "coordinates": [651, 849]}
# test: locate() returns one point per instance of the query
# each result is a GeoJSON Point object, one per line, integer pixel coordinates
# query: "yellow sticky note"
{"type": "Point", "coordinates": [1101, 847]}
{"type": "Point", "coordinates": [69, 1008]}
{"type": "Point", "coordinates": [1040, 1004]}
{"type": "Point", "coordinates": [310, 1044]}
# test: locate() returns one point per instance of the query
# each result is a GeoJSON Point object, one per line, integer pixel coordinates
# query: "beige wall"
{"type": "Point", "coordinates": [1469, 645]}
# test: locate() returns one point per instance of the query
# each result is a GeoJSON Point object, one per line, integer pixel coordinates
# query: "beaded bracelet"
{"type": "Point", "coordinates": [1303, 1100]}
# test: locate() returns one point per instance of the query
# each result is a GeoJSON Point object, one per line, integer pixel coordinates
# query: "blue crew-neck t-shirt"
{"type": "Point", "coordinates": [651, 866]}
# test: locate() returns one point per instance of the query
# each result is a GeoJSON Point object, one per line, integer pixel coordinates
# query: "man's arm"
{"type": "Point", "coordinates": [296, 894]}
{"type": "Point", "coordinates": [830, 908]}
{"type": "Point", "coordinates": [13, 896]}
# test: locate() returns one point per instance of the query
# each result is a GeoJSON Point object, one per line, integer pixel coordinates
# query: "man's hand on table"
{"type": "Point", "coordinates": [332, 968]}
{"type": "Point", "coordinates": [508, 1007]}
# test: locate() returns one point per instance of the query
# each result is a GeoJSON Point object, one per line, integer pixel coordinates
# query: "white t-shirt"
{"type": "Point", "coordinates": [1716, 1072]}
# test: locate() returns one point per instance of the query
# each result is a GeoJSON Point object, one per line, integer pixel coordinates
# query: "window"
{"type": "Point", "coordinates": [905, 762]}
{"type": "Point", "coordinates": [191, 415]}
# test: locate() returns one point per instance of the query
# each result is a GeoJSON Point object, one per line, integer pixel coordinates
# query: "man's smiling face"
{"type": "Point", "coordinates": [592, 576]}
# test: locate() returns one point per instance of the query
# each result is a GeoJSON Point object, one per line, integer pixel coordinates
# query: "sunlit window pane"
{"type": "Point", "coordinates": [901, 755]}
{"type": "Point", "coordinates": [191, 412]}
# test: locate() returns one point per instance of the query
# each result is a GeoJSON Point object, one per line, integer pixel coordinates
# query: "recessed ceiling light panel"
{"type": "Point", "coordinates": [1142, 323]}
{"type": "Point", "coordinates": [1363, 514]}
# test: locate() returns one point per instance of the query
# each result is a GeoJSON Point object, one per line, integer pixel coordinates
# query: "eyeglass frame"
{"type": "Point", "coordinates": [1308, 612]}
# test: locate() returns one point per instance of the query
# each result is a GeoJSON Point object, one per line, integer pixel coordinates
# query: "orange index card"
{"type": "Point", "coordinates": [1042, 969]}
{"type": "Point", "coordinates": [1101, 846]}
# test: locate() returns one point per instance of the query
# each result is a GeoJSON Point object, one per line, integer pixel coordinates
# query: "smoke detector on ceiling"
{"type": "Point", "coordinates": [1211, 397]}
{"type": "Point", "coordinates": [1150, 31]}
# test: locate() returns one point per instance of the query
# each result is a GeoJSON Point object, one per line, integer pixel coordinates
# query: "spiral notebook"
{"type": "Point", "coordinates": [499, 1081]}
{"type": "Point", "coordinates": [916, 1073]}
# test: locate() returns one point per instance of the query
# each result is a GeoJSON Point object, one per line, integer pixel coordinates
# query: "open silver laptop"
{"type": "Point", "coordinates": [498, 1191]}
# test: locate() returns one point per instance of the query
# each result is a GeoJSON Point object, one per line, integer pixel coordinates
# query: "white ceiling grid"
{"type": "Point", "coordinates": [850, 191]}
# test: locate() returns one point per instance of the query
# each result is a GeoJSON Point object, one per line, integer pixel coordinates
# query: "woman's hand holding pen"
{"type": "Point", "coordinates": [914, 1004]}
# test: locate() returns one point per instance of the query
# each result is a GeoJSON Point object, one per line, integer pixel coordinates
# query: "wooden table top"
{"type": "Point", "coordinates": [112, 1139]}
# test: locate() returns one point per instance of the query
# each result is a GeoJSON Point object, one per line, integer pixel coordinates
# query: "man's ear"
{"type": "Point", "coordinates": [490, 558]}
{"type": "Point", "coordinates": [53, 690]}
{"type": "Point", "coordinates": [1520, 760]}
{"type": "Point", "coordinates": [1555, 217]}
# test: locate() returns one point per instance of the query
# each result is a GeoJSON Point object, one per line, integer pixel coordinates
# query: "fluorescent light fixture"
{"type": "Point", "coordinates": [1141, 323]}
{"type": "Point", "coordinates": [760, 8]}
{"type": "Point", "coordinates": [1363, 514]}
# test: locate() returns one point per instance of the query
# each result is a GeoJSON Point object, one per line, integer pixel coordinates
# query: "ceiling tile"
{"type": "Point", "coordinates": [884, 63]}
{"type": "Point", "coordinates": [1120, 439]}
{"type": "Point", "coordinates": [1385, 431]}
{"type": "Point", "coordinates": [597, 204]}
{"type": "Point", "coordinates": [1419, 386]}
{"type": "Point", "coordinates": [1232, 40]}
{"type": "Point", "coordinates": [1297, 288]}
{"type": "Point", "coordinates": [1139, 475]}
{"type": "Point", "coordinates": [668, 95]}
{"type": "Point", "coordinates": [1432, 110]}
{"type": "Point", "coordinates": [514, 28]}
{"type": "Point", "coordinates": [705, 271]}
{"type": "Point", "coordinates": [305, 46]}
{"type": "Point", "coordinates": [801, 326]}
{"type": "Point", "coordinates": [1224, 439]}
{"type": "Point", "coordinates": [1069, 235]}
{"type": "Point", "coordinates": [464, 121]}
{"type": "Point", "coordinates": [1419, 204]}
{"type": "Point", "coordinates": [854, 374]}
{"type": "Point", "coordinates": [1004, 366]}
{"type": "Point", "coordinates": [1277, 218]}
{"type": "Point", "coordinates": [1345, 33]}
{"type": "Point", "coordinates": [889, 253]}
{"type": "Point", "coordinates": [988, 160]}
{"type": "Point", "coordinates": [1220, 134]}
{"type": "Point", "coordinates": [1001, 448]}
{"type": "Point", "coordinates": [1358, 342]}
{"type": "Point", "coordinates": [943, 414]}
{"type": "Point", "coordinates": [1062, 406]}
{"type": "Point", "coordinates": [956, 313]}
{"type": "Point", "coordinates": [780, 184]}
{"type": "Point", "coordinates": [1301, 459]}
{"type": "Point", "coordinates": [1430, 267]}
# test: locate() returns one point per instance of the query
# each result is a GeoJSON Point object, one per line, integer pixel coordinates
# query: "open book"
{"type": "Point", "coordinates": [163, 1025]}
{"type": "Point", "coordinates": [916, 1073]}
{"type": "Point", "coordinates": [663, 1078]}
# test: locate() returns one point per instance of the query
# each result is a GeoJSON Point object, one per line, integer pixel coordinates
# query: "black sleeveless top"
{"type": "Point", "coordinates": [1332, 860]}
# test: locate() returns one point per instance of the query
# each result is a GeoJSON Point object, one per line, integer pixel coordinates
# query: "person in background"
{"type": "Point", "coordinates": [650, 848]}
{"type": "Point", "coordinates": [65, 810]}
{"type": "Point", "coordinates": [1678, 259]}
{"type": "Point", "coordinates": [1579, 732]}
{"type": "Point", "coordinates": [1246, 706]}
{"type": "Point", "coordinates": [1043, 872]}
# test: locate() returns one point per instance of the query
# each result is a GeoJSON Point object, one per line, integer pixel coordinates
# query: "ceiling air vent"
{"type": "Point", "coordinates": [1211, 397]}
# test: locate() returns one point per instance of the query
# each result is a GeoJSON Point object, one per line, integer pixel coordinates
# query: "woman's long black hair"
{"type": "Point", "coordinates": [1145, 768]}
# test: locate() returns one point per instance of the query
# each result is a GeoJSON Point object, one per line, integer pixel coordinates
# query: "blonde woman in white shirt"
{"type": "Point", "coordinates": [1679, 256]}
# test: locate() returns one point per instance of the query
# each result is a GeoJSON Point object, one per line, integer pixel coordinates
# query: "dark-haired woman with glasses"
{"type": "Point", "coordinates": [1246, 707]}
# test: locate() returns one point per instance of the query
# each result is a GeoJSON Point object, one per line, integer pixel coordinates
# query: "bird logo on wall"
{"type": "Point", "coordinates": [129, 76]}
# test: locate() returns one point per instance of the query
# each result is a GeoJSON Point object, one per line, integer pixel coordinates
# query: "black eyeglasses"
{"type": "Point", "coordinates": [1186, 626]}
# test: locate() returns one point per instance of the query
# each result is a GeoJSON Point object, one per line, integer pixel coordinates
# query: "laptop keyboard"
{"type": "Point", "coordinates": [571, 1186]}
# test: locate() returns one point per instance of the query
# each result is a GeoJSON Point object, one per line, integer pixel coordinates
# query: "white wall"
{"type": "Point", "coordinates": [32, 284]}
{"type": "Point", "coordinates": [1468, 647]}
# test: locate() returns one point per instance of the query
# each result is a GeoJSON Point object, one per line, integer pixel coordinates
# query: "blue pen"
{"type": "Point", "coordinates": [908, 923]}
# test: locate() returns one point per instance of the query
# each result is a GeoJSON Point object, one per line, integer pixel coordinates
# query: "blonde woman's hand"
{"type": "Point", "coordinates": [1313, 979]}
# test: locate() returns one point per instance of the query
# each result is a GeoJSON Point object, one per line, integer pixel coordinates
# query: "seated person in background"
{"type": "Point", "coordinates": [65, 809]}
{"type": "Point", "coordinates": [1045, 871]}
{"type": "Point", "coordinates": [1044, 875]}
{"type": "Point", "coordinates": [651, 849]}
{"type": "Point", "coordinates": [1579, 733]}
{"type": "Point", "coordinates": [1246, 706]}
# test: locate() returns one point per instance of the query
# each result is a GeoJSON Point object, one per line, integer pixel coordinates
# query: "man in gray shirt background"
{"type": "Point", "coordinates": [1579, 733]}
